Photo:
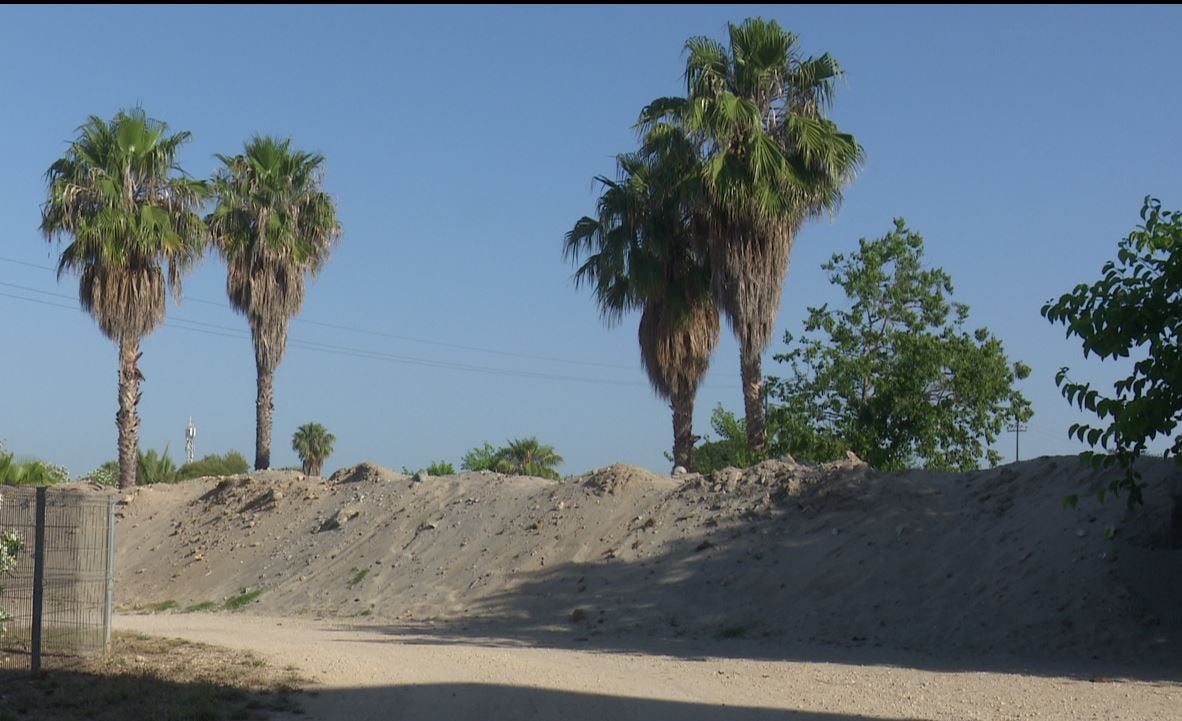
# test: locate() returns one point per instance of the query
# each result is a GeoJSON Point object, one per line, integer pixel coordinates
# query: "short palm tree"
{"type": "Point", "coordinates": [528, 457]}
{"type": "Point", "coordinates": [313, 443]}
{"type": "Point", "coordinates": [131, 215]}
{"type": "Point", "coordinates": [153, 467]}
{"type": "Point", "coordinates": [272, 224]}
{"type": "Point", "coordinates": [642, 255]}
{"type": "Point", "coordinates": [772, 159]}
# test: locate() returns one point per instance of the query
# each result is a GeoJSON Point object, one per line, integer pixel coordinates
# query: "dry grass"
{"type": "Point", "coordinates": [146, 677]}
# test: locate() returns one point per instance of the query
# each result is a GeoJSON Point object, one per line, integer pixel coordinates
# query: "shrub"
{"type": "Point", "coordinates": [152, 467]}
{"type": "Point", "coordinates": [521, 456]}
{"type": "Point", "coordinates": [10, 546]}
{"type": "Point", "coordinates": [230, 464]}
{"type": "Point", "coordinates": [441, 468]}
{"type": "Point", "coordinates": [30, 473]}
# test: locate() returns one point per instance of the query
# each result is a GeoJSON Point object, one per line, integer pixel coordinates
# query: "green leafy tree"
{"type": "Point", "coordinates": [273, 224]}
{"type": "Point", "coordinates": [730, 449]}
{"type": "Point", "coordinates": [484, 458]}
{"type": "Point", "coordinates": [313, 443]}
{"type": "Point", "coordinates": [772, 159]}
{"type": "Point", "coordinates": [232, 463]}
{"type": "Point", "coordinates": [895, 377]}
{"type": "Point", "coordinates": [119, 194]}
{"type": "Point", "coordinates": [1136, 305]}
{"type": "Point", "coordinates": [642, 255]}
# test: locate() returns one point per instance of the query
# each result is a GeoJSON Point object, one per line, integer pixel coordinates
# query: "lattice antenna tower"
{"type": "Point", "coordinates": [190, 437]}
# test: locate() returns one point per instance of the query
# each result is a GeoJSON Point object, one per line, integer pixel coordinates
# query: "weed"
{"type": "Point", "coordinates": [358, 575]}
{"type": "Point", "coordinates": [733, 632]}
{"type": "Point", "coordinates": [153, 678]}
{"type": "Point", "coordinates": [241, 600]}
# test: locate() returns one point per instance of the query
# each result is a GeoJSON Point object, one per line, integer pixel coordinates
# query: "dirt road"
{"type": "Point", "coordinates": [365, 674]}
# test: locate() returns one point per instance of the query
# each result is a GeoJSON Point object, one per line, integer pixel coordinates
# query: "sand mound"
{"type": "Point", "coordinates": [618, 478]}
{"type": "Point", "coordinates": [366, 472]}
{"type": "Point", "coordinates": [984, 562]}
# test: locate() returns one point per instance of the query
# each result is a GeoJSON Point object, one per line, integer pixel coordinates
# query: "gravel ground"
{"type": "Point", "coordinates": [363, 673]}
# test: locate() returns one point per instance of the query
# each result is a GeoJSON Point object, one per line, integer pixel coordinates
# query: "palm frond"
{"type": "Point", "coordinates": [130, 212]}
{"type": "Point", "coordinates": [273, 225]}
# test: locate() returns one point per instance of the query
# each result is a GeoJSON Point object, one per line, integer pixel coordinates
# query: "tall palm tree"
{"type": "Point", "coordinates": [642, 256]}
{"type": "Point", "coordinates": [119, 194]}
{"type": "Point", "coordinates": [526, 456]}
{"type": "Point", "coordinates": [272, 225]}
{"type": "Point", "coordinates": [313, 443]}
{"type": "Point", "coordinates": [772, 160]}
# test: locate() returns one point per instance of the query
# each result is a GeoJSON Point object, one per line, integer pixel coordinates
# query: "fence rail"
{"type": "Point", "coordinates": [60, 594]}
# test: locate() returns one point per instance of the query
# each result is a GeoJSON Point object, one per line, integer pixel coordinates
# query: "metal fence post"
{"type": "Point", "coordinates": [38, 577]}
{"type": "Point", "coordinates": [110, 574]}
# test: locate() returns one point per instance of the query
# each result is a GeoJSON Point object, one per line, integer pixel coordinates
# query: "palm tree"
{"type": "Point", "coordinates": [642, 256]}
{"type": "Point", "coordinates": [132, 216]}
{"type": "Point", "coordinates": [272, 225]}
{"type": "Point", "coordinates": [528, 457]}
{"type": "Point", "coordinates": [152, 467]}
{"type": "Point", "coordinates": [772, 160]}
{"type": "Point", "coordinates": [314, 444]}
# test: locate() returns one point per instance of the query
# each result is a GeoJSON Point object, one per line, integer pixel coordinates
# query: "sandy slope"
{"type": "Point", "coordinates": [369, 675]}
{"type": "Point", "coordinates": [981, 565]}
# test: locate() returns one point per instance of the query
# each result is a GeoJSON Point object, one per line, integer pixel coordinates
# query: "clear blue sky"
{"type": "Point", "coordinates": [461, 144]}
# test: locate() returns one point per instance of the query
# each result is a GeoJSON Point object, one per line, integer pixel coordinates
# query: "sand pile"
{"type": "Point", "coordinates": [985, 562]}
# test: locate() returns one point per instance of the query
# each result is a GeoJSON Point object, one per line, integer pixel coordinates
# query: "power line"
{"type": "Point", "coordinates": [380, 334]}
{"type": "Point", "coordinates": [215, 329]}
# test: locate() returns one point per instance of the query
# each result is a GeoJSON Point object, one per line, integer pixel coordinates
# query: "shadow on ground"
{"type": "Point", "coordinates": [509, 703]}
{"type": "Point", "coordinates": [69, 695]}
{"type": "Point", "coordinates": [922, 582]}
{"type": "Point", "coordinates": [63, 695]}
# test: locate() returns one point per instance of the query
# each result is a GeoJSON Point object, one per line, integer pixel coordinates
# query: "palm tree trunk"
{"type": "Point", "coordinates": [127, 419]}
{"type": "Point", "coordinates": [751, 367]}
{"type": "Point", "coordinates": [263, 406]}
{"type": "Point", "coordinates": [683, 430]}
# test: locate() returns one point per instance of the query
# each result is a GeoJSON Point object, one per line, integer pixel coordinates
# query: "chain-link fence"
{"type": "Point", "coordinates": [59, 595]}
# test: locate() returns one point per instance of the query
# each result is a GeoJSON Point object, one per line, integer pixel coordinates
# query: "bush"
{"type": "Point", "coordinates": [441, 468]}
{"type": "Point", "coordinates": [437, 468]}
{"type": "Point", "coordinates": [30, 473]}
{"type": "Point", "coordinates": [521, 456]}
{"type": "Point", "coordinates": [484, 458]}
{"type": "Point", "coordinates": [730, 450]}
{"type": "Point", "coordinates": [105, 475]}
{"type": "Point", "coordinates": [152, 467]}
{"type": "Point", "coordinates": [230, 464]}
{"type": "Point", "coordinates": [10, 546]}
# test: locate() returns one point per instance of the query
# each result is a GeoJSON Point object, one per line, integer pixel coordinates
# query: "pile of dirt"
{"type": "Point", "coordinates": [984, 562]}
{"type": "Point", "coordinates": [618, 478]}
{"type": "Point", "coordinates": [366, 472]}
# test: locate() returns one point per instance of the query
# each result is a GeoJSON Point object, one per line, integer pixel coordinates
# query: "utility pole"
{"type": "Point", "coordinates": [190, 435]}
{"type": "Point", "coordinates": [1017, 428]}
